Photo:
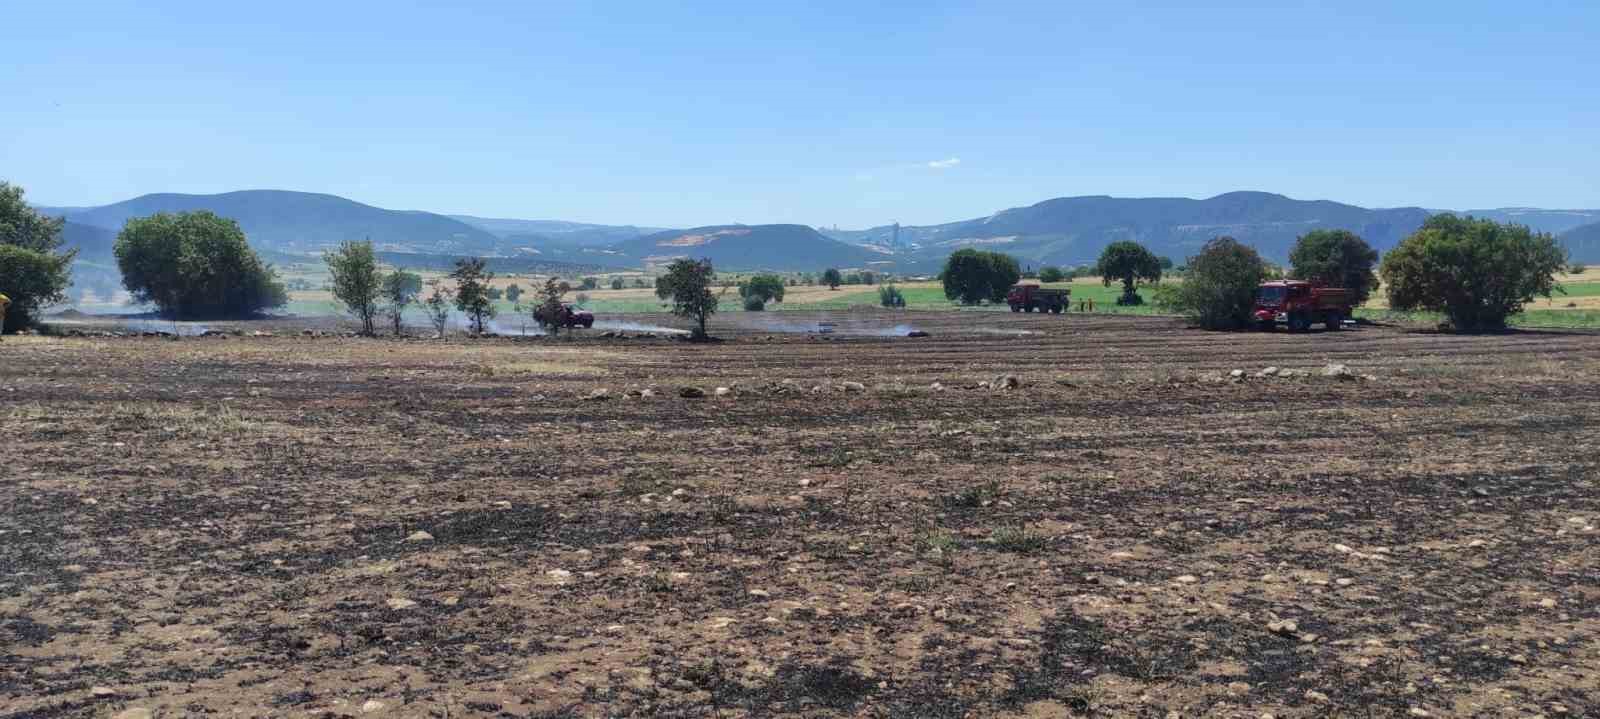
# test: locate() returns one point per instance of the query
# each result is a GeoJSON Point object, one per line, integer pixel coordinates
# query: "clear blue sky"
{"type": "Point", "coordinates": [850, 113]}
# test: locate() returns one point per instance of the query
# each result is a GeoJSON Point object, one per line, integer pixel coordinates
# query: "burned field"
{"type": "Point", "coordinates": [857, 526]}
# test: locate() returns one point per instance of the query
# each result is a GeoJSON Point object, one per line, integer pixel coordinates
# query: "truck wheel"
{"type": "Point", "coordinates": [1334, 322]}
{"type": "Point", "coordinates": [1030, 308]}
{"type": "Point", "coordinates": [588, 323]}
{"type": "Point", "coordinates": [1016, 308]}
{"type": "Point", "coordinates": [1298, 323]}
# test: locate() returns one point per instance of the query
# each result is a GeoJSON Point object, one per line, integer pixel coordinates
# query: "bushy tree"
{"type": "Point", "coordinates": [195, 265]}
{"type": "Point", "coordinates": [34, 272]}
{"type": "Point", "coordinates": [472, 279]}
{"type": "Point", "coordinates": [869, 277]}
{"type": "Point", "coordinates": [589, 283]}
{"type": "Point", "coordinates": [617, 283]}
{"type": "Point", "coordinates": [1130, 262]}
{"type": "Point", "coordinates": [438, 307]}
{"type": "Point", "coordinates": [832, 278]}
{"type": "Point", "coordinates": [398, 293]}
{"type": "Point", "coordinates": [513, 292]}
{"type": "Point", "coordinates": [762, 289]}
{"type": "Point", "coordinates": [1477, 272]}
{"type": "Point", "coordinates": [548, 312]}
{"type": "Point", "coordinates": [688, 284]}
{"type": "Point", "coordinates": [1219, 290]}
{"type": "Point", "coordinates": [1051, 273]}
{"type": "Point", "coordinates": [1577, 268]}
{"type": "Point", "coordinates": [356, 281]}
{"type": "Point", "coordinates": [1337, 258]}
{"type": "Point", "coordinates": [972, 276]}
{"type": "Point", "coordinates": [891, 297]}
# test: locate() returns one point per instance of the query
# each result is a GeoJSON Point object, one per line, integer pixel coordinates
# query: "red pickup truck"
{"type": "Point", "coordinates": [1300, 304]}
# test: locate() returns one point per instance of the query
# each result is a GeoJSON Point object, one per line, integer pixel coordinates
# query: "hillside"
{"type": "Point", "coordinates": [752, 247]}
{"type": "Point", "coordinates": [1583, 243]}
{"type": "Point", "coordinates": [558, 232]}
{"type": "Point", "coordinates": [94, 244]}
{"type": "Point", "coordinates": [300, 222]}
{"type": "Point", "coordinates": [1553, 221]}
{"type": "Point", "coordinates": [1073, 230]}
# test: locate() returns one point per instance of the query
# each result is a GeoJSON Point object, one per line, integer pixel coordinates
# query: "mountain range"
{"type": "Point", "coordinates": [1065, 231]}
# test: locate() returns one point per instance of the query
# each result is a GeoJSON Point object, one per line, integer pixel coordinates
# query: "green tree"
{"type": "Point", "coordinates": [589, 283]}
{"type": "Point", "coordinates": [472, 279]}
{"type": "Point", "coordinates": [891, 297]}
{"type": "Point", "coordinates": [1477, 272]}
{"type": "Point", "coordinates": [398, 294]}
{"type": "Point", "coordinates": [195, 265]}
{"type": "Point", "coordinates": [617, 283]}
{"type": "Point", "coordinates": [1130, 262]}
{"type": "Point", "coordinates": [688, 284]}
{"type": "Point", "coordinates": [1220, 288]}
{"type": "Point", "coordinates": [1337, 258]}
{"type": "Point", "coordinates": [1577, 268]}
{"type": "Point", "coordinates": [762, 289]}
{"type": "Point", "coordinates": [972, 276]}
{"type": "Point", "coordinates": [1051, 273]}
{"type": "Point", "coordinates": [832, 278]}
{"type": "Point", "coordinates": [869, 277]}
{"type": "Point", "coordinates": [34, 272]}
{"type": "Point", "coordinates": [356, 281]}
{"type": "Point", "coordinates": [514, 292]}
{"type": "Point", "coordinates": [438, 307]}
{"type": "Point", "coordinates": [550, 312]}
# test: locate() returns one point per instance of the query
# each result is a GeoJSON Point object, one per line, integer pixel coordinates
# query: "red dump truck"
{"type": "Point", "coordinates": [1034, 297]}
{"type": "Point", "coordinates": [568, 316]}
{"type": "Point", "coordinates": [1300, 304]}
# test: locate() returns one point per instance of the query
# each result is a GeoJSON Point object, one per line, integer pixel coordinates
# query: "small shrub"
{"type": "Point", "coordinates": [754, 304]}
{"type": "Point", "coordinates": [1017, 539]}
{"type": "Point", "coordinates": [891, 297]}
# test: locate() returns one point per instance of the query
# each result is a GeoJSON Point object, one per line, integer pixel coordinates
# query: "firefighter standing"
{"type": "Point", "coordinates": [4, 303]}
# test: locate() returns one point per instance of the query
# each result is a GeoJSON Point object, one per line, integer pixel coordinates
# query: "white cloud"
{"type": "Point", "coordinates": [944, 164]}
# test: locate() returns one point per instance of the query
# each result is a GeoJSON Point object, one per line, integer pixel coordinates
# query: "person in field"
{"type": "Point", "coordinates": [4, 303]}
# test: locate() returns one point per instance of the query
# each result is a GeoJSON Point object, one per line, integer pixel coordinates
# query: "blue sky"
{"type": "Point", "coordinates": [822, 113]}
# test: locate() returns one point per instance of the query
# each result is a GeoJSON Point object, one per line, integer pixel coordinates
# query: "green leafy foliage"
{"type": "Point", "coordinates": [617, 283]}
{"type": "Point", "coordinates": [972, 276]}
{"type": "Point", "coordinates": [1219, 290]}
{"type": "Point", "coordinates": [356, 281]}
{"type": "Point", "coordinates": [1051, 273]}
{"type": "Point", "coordinates": [1130, 262]}
{"type": "Point", "coordinates": [438, 307]}
{"type": "Point", "coordinates": [687, 284]}
{"type": "Point", "coordinates": [550, 311]}
{"type": "Point", "coordinates": [832, 278]}
{"type": "Point", "coordinates": [34, 273]}
{"type": "Point", "coordinates": [195, 265]}
{"type": "Point", "coordinates": [472, 279]}
{"type": "Point", "coordinates": [891, 297]}
{"type": "Point", "coordinates": [1337, 258]}
{"type": "Point", "coordinates": [399, 292]}
{"type": "Point", "coordinates": [763, 289]}
{"type": "Point", "coordinates": [513, 292]}
{"type": "Point", "coordinates": [1476, 272]}
{"type": "Point", "coordinates": [589, 283]}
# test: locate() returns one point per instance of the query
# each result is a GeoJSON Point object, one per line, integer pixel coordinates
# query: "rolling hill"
{"type": "Point", "coordinates": [1555, 222]}
{"type": "Point", "coordinates": [573, 234]}
{"type": "Point", "coordinates": [752, 247]}
{"type": "Point", "coordinates": [1583, 243]}
{"type": "Point", "coordinates": [301, 222]}
{"type": "Point", "coordinates": [1073, 230]}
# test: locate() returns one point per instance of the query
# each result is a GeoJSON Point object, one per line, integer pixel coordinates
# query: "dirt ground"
{"type": "Point", "coordinates": [314, 526]}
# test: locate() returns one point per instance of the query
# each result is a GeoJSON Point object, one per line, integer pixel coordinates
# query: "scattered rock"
{"type": "Point", "coordinates": [598, 394]}
{"type": "Point", "coordinates": [134, 714]}
{"type": "Point", "coordinates": [1237, 374]}
{"type": "Point", "coordinates": [559, 576]}
{"type": "Point", "coordinates": [419, 536]}
{"type": "Point", "coordinates": [1547, 603]}
{"type": "Point", "coordinates": [760, 593]}
{"type": "Point", "coordinates": [723, 391]}
{"type": "Point", "coordinates": [646, 393]}
{"type": "Point", "coordinates": [1316, 696]}
{"type": "Point", "coordinates": [1339, 371]}
{"type": "Point", "coordinates": [372, 705]}
{"type": "Point", "coordinates": [1186, 579]}
{"type": "Point", "coordinates": [1419, 712]}
{"type": "Point", "coordinates": [691, 392]}
{"type": "Point", "coordinates": [400, 603]}
{"type": "Point", "coordinates": [1005, 382]}
{"type": "Point", "coordinates": [936, 387]}
{"type": "Point", "coordinates": [1268, 372]}
{"type": "Point", "coordinates": [1284, 627]}
{"type": "Point", "coordinates": [853, 386]}
{"type": "Point", "coordinates": [102, 691]}
{"type": "Point", "coordinates": [1238, 688]}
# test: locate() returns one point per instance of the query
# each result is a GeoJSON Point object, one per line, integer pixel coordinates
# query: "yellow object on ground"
{"type": "Point", "coordinates": [4, 303]}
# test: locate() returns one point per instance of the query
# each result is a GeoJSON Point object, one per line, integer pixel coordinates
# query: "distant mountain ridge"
{"type": "Point", "coordinates": [302, 222]}
{"type": "Point", "coordinates": [1073, 230]}
{"type": "Point", "coordinates": [1583, 243]}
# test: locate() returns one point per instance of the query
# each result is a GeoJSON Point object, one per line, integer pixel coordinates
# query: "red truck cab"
{"type": "Point", "coordinates": [1300, 304]}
